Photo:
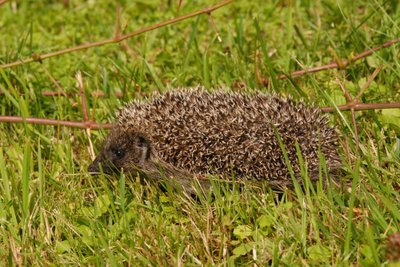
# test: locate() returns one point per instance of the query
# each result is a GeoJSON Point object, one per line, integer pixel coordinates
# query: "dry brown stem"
{"type": "Point", "coordinates": [64, 94]}
{"type": "Point", "coordinates": [338, 64]}
{"type": "Point", "coordinates": [95, 126]}
{"type": "Point", "coordinates": [352, 102]}
{"type": "Point", "coordinates": [362, 106]}
{"type": "Point", "coordinates": [73, 124]}
{"type": "Point", "coordinates": [214, 27]}
{"type": "Point", "coordinates": [115, 39]}
{"type": "Point", "coordinates": [179, 5]}
{"type": "Point", "coordinates": [117, 20]}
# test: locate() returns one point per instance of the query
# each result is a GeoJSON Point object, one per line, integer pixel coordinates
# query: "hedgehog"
{"type": "Point", "coordinates": [187, 135]}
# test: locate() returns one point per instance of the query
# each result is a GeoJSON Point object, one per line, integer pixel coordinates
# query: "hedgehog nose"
{"type": "Point", "coordinates": [94, 166]}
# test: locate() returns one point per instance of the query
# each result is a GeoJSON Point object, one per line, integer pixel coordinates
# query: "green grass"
{"type": "Point", "coordinates": [53, 213]}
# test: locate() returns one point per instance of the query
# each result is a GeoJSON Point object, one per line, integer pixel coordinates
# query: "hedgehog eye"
{"type": "Point", "coordinates": [119, 153]}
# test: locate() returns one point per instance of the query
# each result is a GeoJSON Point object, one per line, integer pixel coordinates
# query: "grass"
{"type": "Point", "coordinates": [53, 213]}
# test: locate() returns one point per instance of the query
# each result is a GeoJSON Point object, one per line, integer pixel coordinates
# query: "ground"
{"type": "Point", "coordinates": [52, 212]}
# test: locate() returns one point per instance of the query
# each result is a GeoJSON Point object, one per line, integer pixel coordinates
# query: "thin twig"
{"type": "Point", "coordinates": [39, 57]}
{"type": "Point", "coordinates": [57, 84]}
{"type": "Point", "coordinates": [362, 106]}
{"type": "Point", "coordinates": [214, 27]}
{"type": "Point", "coordinates": [73, 124]}
{"type": "Point", "coordinates": [346, 94]}
{"type": "Point", "coordinates": [337, 59]}
{"type": "Point", "coordinates": [343, 63]}
{"type": "Point", "coordinates": [117, 21]}
{"type": "Point", "coordinates": [95, 126]}
{"type": "Point", "coordinates": [64, 94]}
{"type": "Point", "coordinates": [352, 102]}
{"type": "Point", "coordinates": [3, 2]}
{"type": "Point", "coordinates": [179, 5]}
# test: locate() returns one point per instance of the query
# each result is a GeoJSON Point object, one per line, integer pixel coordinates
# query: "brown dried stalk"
{"type": "Point", "coordinates": [362, 106]}
{"type": "Point", "coordinates": [117, 20]}
{"type": "Point", "coordinates": [116, 39]}
{"type": "Point", "coordinates": [95, 126]}
{"type": "Point", "coordinates": [351, 102]}
{"type": "Point", "coordinates": [64, 94]}
{"type": "Point", "coordinates": [3, 2]}
{"type": "Point", "coordinates": [179, 5]}
{"type": "Point", "coordinates": [215, 28]}
{"type": "Point", "coordinates": [85, 113]}
{"type": "Point", "coordinates": [73, 124]}
{"type": "Point", "coordinates": [339, 64]}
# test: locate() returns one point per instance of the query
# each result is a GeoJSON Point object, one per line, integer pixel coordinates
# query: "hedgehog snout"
{"type": "Point", "coordinates": [94, 167]}
{"type": "Point", "coordinates": [130, 152]}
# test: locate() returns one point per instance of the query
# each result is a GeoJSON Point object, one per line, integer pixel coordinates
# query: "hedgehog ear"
{"type": "Point", "coordinates": [143, 144]}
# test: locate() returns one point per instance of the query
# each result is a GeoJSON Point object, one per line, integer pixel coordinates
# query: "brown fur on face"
{"type": "Point", "coordinates": [125, 150]}
{"type": "Point", "coordinates": [132, 152]}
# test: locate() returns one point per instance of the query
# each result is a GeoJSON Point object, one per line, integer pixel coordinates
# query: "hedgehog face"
{"type": "Point", "coordinates": [129, 151]}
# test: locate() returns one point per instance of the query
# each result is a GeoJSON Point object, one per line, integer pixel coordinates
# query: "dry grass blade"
{"type": "Point", "coordinates": [367, 84]}
{"type": "Point", "coordinates": [82, 93]}
{"type": "Point", "coordinates": [85, 113]}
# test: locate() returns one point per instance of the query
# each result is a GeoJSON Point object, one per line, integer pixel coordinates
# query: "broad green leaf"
{"type": "Point", "coordinates": [242, 231]}
{"type": "Point", "coordinates": [63, 246]}
{"type": "Point", "coordinates": [101, 204]}
{"type": "Point", "coordinates": [318, 252]}
{"type": "Point", "coordinates": [243, 249]}
{"type": "Point", "coordinates": [265, 221]}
